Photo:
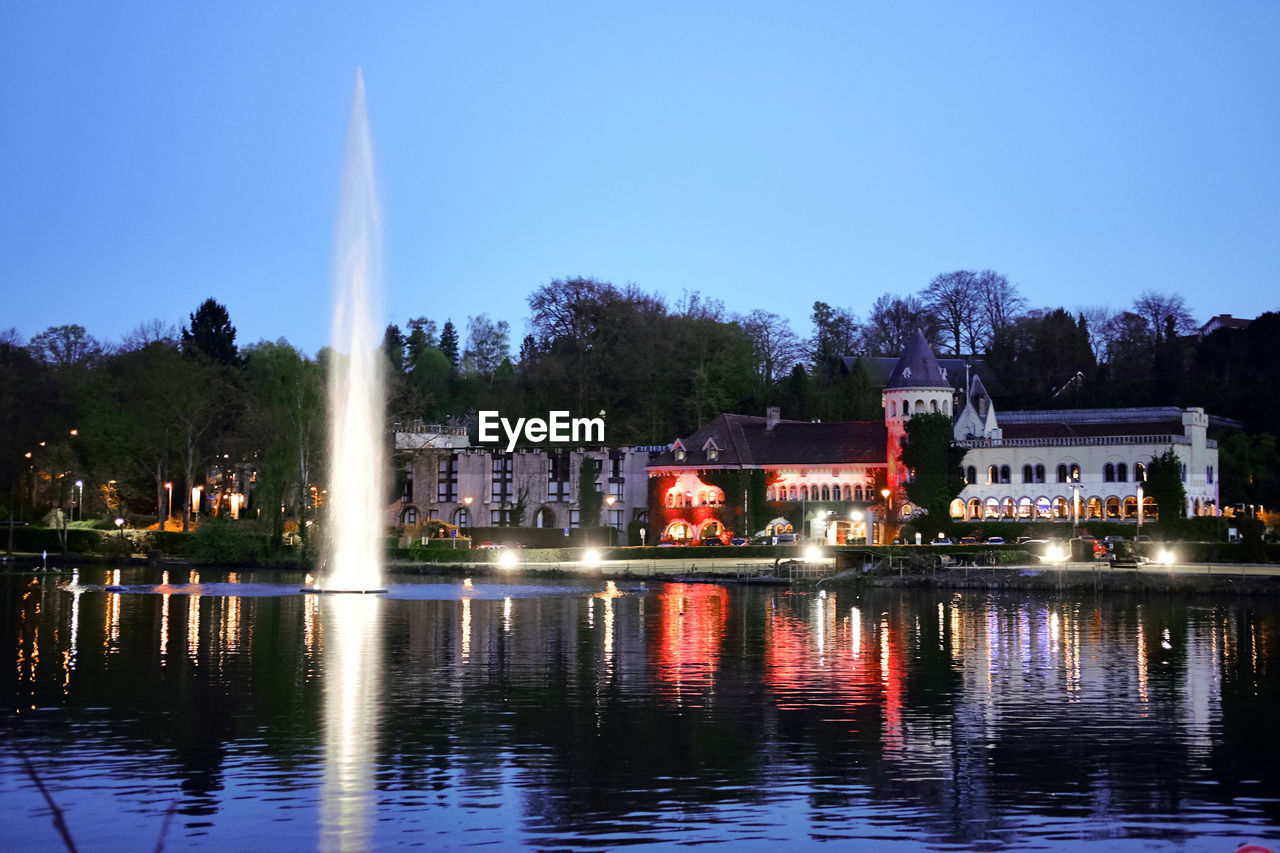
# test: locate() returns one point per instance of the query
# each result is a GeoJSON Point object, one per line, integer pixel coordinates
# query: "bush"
{"type": "Point", "coordinates": [218, 541]}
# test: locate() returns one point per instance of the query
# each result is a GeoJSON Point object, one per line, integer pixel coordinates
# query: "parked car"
{"type": "Point", "coordinates": [786, 538]}
{"type": "Point", "coordinates": [711, 540]}
{"type": "Point", "coordinates": [968, 540]}
{"type": "Point", "coordinates": [995, 540]}
{"type": "Point", "coordinates": [737, 540]}
{"type": "Point", "coordinates": [941, 540]}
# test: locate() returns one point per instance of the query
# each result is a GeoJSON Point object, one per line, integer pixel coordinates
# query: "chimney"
{"type": "Point", "coordinates": [772, 415]}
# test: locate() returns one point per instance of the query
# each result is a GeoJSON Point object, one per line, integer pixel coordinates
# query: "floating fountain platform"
{"type": "Point", "coordinates": [311, 590]}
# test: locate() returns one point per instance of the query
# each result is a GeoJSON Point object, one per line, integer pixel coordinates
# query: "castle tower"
{"type": "Point", "coordinates": [917, 385]}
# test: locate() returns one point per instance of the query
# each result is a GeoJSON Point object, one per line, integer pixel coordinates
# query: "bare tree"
{"type": "Point", "coordinates": [65, 346]}
{"type": "Point", "coordinates": [487, 345]}
{"type": "Point", "coordinates": [956, 300]}
{"type": "Point", "coordinates": [774, 347]}
{"type": "Point", "coordinates": [893, 320]}
{"type": "Point", "coordinates": [1098, 320]}
{"type": "Point", "coordinates": [1001, 302]}
{"type": "Point", "coordinates": [1163, 311]}
{"type": "Point", "coordinates": [154, 331]}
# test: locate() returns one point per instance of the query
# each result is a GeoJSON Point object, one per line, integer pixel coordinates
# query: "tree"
{"type": "Point", "coordinates": [955, 299]}
{"type": "Point", "coordinates": [590, 502]}
{"type": "Point", "coordinates": [487, 346]}
{"type": "Point", "coordinates": [774, 347]}
{"type": "Point", "coordinates": [931, 456]}
{"type": "Point", "coordinates": [892, 322]}
{"type": "Point", "coordinates": [211, 335]}
{"type": "Point", "coordinates": [1166, 314]}
{"type": "Point", "coordinates": [1249, 468]}
{"type": "Point", "coordinates": [1164, 485]}
{"type": "Point", "coordinates": [393, 348]}
{"type": "Point", "coordinates": [64, 347]}
{"type": "Point", "coordinates": [835, 335]}
{"type": "Point", "coordinates": [1001, 302]}
{"type": "Point", "coordinates": [449, 342]}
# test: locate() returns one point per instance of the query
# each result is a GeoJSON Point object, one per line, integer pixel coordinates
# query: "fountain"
{"type": "Point", "coordinates": [353, 559]}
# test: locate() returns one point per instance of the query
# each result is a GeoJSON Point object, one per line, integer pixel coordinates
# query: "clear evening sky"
{"type": "Point", "coordinates": [766, 155]}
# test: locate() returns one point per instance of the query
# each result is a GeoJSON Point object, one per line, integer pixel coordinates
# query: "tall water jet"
{"type": "Point", "coordinates": [356, 456]}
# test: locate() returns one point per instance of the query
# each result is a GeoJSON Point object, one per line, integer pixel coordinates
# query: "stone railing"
{"type": "Point", "coordinates": [1076, 441]}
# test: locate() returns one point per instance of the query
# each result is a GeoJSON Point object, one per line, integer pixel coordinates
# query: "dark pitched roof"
{"type": "Point", "coordinates": [744, 440]}
{"type": "Point", "coordinates": [918, 367]}
{"type": "Point", "coordinates": [879, 368]}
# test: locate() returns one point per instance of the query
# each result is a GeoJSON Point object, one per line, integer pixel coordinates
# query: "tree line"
{"type": "Point", "coordinates": [181, 405]}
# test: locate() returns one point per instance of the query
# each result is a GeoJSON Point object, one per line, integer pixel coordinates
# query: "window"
{"type": "Point", "coordinates": [1122, 473]}
{"type": "Point", "coordinates": [497, 517]}
{"type": "Point", "coordinates": [575, 518]}
{"type": "Point", "coordinates": [971, 475]}
{"type": "Point", "coordinates": [502, 467]}
{"type": "Point", "coordinates": [558, 475]}
{"type": "Point", "coordinates": [848, 492]}
{"type": "Point", "coordinates": [993, 475]}
{"type": "Point", "coordinates": [702, 498]}
{"type": "Point", "coordinates": [1004, 474]}
{"type": "Point", "coordinates": [679, 454]}
{"type": "Point", "coordinates": [857, 493]}
{"type": "Point", "coordinates": [1139, 472]}
{"type": "Point", "coordinates": [712, 453]}
{"type": "Point", "coordinates": [1113, 507]}
{"type": "Point", "coordinates": [461, 517]}
{"type": "Point", "coordinates": [1026, 474]}
{"type": "Point", "coordinates": [933, 405]}
{"type": "Point", "coordinates": [906, 408]}
{"type": "Point", "coordinates": [1062, 473]}
{"type": "Point", "coordinates": [771, 494]}
{"type": "Point", "coordinates": [615, 488]}
{"type": "Point", "coordinates": [893, 409]}
{"type": "Point", "coordinates": [793, 494]}
{"type": "Point", "coordinates": [1208, 475]}
{"type": "Point", "coordinates": [615, 519]}
{"type": "Point", "coordinates": [804, 493]}
{"type": "Point", "coordinates": [826, 492]}
{"type": "Point", "coordinates": [1075, 473]}
{"type": "Point", "coordinates": [1108, 473]}
{"type": "Point", "coordinates": [410, 515]}
{"type": "Point", "coordinates": [447, 479]}
{"type": "Point", "coordinates": [1039, 474]}
{"type": "Point", "coordinates": [407, 495]}
{"type": "Point", "coordinates": [1183, 467]}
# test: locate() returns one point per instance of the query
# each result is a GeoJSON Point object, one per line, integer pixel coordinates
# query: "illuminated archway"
{"type": "Point", "coordinates": [679, 531]}
{"type": "Point", "coordinates": [957, 509]}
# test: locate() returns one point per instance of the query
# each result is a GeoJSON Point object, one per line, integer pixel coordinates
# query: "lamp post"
{"type": "Point", "coordinates": [79, 499]}
{"type": "Point", "coordinates": [1075, 510]}
{"type": "Point", "coordinates": [120, 527]}
{"type": "Point", "coordinates": [609, 501]}
{"type": "Point", "coordinates": [467, 514]}
{"type": "Point", "coordinates": [168, 507]}
{"type": "Point", "coordinates": [888, 508]}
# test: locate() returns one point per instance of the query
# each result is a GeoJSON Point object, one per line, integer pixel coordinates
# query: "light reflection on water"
{"type": "Point", "coordinates": [558, 714]}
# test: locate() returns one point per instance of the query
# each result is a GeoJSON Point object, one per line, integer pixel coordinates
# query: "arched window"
{"type": "Point", "coordinates": [957, 509]}
{"type": "Point", "coordinates": [1131, 507]}
{"type": "Point", "coordinates": [1061, 508]}
{"type": "Point", "coordinates": [1075, 473]}
{"type": "Point", "coordinates": [1208, 475]}
{"type": "Point", "coordinates": [545, 518]}
{"type": "Point", "coordinates": [1007, 508]}
{"type": "Point", "coordinates": [1122, 473]}
{"type": "Point", "coordinates": [893, 409]}
{"type": "Point", "coordinates": [702, 499]}
{"type": "Point", "coordinates": [1149, 511]}
{"type": "Point", "coordinates": [848, 492]}
{"type": "Point", "coordinates": [993, 475]}
{"type": "Point", "coordinates": [1004, 474]}
{"type": "Point", "coordinates": [906, 408]}
{"type": "Point", "coordinates": [461, 517]}
{"type": "Point", "coordinates": [1043, 509]}
{"type": "Point", "coordinates": [933, 406]}
{"type": "Point", "coordinates": [1108, 473]}
{"type": "Point", "coordinates": [826, 492]}
{"type": "Point", "coordinates": [1024, 507]}
{"type": "Point", "coordinates": [671, 500]}
{"type": "Point", "coordinates": [804, 493]}
{"type": "Point", "coordinates": [971, 475]}
{"type": "Point", "coordinates": [1039, 474]}
{"type": "Point", "coordinates": [992, 508]}
{"type": "Point", "coordinates": [1026, 473]}
{"type": "Point", "coordinates": [410, 515]}
{"type": "Point", "coordinates": [688, 498]}
{"type": "Point", "coordinates": [793, 494]}
{"type": "Point", "coordinates": [1062, 473]}
{"type": "Point", "coordinates": [857, 492]}
{"type": "Point", "coordinates": [975, 508]}
{"type": "Point", "coordinates": [771, 494]}
{"type": "Point", "coordinates": [1113, 507]}
{"type": "Point", "coordinates": [919, 407]}
{"type": "Point", "coordinates": [1139, 472]}
{"type": "Point", "coordinates": [1095, 508]}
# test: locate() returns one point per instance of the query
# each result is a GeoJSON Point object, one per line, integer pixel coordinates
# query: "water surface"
{"type": "Point", "coordinates": [224, 709]}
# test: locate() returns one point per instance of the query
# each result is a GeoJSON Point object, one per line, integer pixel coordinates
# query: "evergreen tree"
{"type": "Point", "coordinates": [211, 334]}
{"type": "Point", "coordinates": [1164, 485]}
{"type": "Point", "coordinates": [929, 452]}
{"type": "Point", "coordinates": [449, 342]}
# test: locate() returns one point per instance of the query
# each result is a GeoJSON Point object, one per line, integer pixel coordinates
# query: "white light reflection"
{"type": "Point", "coordinates": [855, 630]}
{"type": "Point", "coordinates": [506, 615]}
{"type": "Point", "coordinates": [352, 683]}
{"type": "Point", "coordinates": [466, 629]}
{"type": "Point", "coordinates": [76, 592]}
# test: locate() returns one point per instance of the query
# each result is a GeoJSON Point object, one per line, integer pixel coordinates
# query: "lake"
{"type": "Point", "coordinates": [219, 710]}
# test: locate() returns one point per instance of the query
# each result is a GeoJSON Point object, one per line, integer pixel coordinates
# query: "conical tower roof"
{"type": "Point", "coordinates": [917, 368]}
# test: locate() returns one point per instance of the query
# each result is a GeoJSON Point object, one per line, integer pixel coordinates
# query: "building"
{"type": "Point", "coordinates": [834, 481]}
{"type": "Point", "coordinates": [447, 478]}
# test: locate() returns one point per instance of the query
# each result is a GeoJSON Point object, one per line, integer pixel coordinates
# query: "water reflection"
{"type": "Point", "coordinates": [352, 690]}
{"type": "Point", "coordinates": [682, 713]}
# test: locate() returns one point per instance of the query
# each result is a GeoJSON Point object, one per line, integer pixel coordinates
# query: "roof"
{"type": "Point", "coordinates": [743, 440]}
{"type": "Point", "coordinates": [879, 368]}
{"type": "Point", "coordinates": [918, 367]}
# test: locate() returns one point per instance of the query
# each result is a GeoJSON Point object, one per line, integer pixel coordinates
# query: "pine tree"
{"type": "Point", "coordinates": [449, 342]}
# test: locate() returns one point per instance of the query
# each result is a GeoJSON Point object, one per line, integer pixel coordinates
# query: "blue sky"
{"type": "Point", "coordinates": [155, 154]}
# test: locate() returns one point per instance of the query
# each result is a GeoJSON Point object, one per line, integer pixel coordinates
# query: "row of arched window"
{"type": "Point", "coordinates": [705, 497]}
{"type": "Point", "coordinates": [1117, 472]}
{"type": "Point", "coordinates": [823, 492]}
{"type": "Point", "coordinates": [1051, 508]}
{"type": "Point", "coordinates": [919, 407]}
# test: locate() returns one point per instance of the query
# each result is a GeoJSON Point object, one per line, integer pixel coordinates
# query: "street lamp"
{"type": "Point", "coordinates": [888, 508]}
{"type": "Point", "coordinates": [610, 501]}
{"type": "Point", "coordinates": [79, 499]}
{"type": "Point", "coordinates": [467, 501]}
{"type": "Point", "coordinates": [168, 507]}
{"type": "Point", "coordinates": [120, 527]}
